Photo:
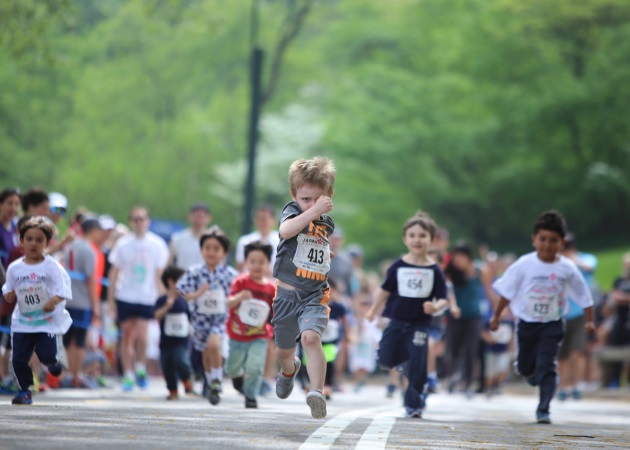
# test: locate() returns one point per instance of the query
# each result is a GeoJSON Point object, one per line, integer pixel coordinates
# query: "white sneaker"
{"type": "Point", "coordinates": [317, 402]}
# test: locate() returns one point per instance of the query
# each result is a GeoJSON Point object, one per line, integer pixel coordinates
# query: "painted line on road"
{"type": "Point", "coordinates": [326, 435]}
{"type": "Point", "coordinates": [376, 435]}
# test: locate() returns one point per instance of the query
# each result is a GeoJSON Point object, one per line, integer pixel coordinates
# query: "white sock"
{"type": "Point", "coordinates": [217, 374]}
{"type": "Point", "coordinates": [7, 379]}
{"type": "Point", "coordinates": [141, 368]}
{"type": "Point", "coordinates": [433, 375]}
{"type": "Point", "coordinates": [209, 377]}
{"type": "Point", "coordinates": [129, 374]}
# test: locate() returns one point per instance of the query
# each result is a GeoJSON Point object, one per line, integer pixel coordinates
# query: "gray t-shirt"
{"type": "Point", "coordinates": [304, 260]}
{"type": "Point", "coordinates": [80, 261]}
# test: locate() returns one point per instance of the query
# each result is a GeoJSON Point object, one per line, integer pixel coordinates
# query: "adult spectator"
{"type": "Point", "coordinates": [58, 206]}
{"type": "Point", "coordinates": [184, 247]}
{"type": "Point", "coordinates": [265, 222]}
{"type": "Point", "coordinates": [138, 260]}
{"type": "Point", "coordinates": [80, 260]}
{"type": "Point", "coordinates": [35, 203]}
{"type": "Point", "coordinates": [9, 238]}
{"type": "Point", "coordinates": [619, 306]}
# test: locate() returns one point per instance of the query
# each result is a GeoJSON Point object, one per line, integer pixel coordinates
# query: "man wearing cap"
{"type": "Point", "coordinates": [184, 248]}
{"type": "Point", "coordinates": [81, 262]}
{"type": "Point", "coordinates": [58, 205]}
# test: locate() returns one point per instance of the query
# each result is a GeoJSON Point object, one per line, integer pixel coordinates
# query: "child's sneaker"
{"type": "Point", "coordinates": [432, 385]}
{"type": "Point", "coordinates": [265, 388]}
{"type": "Point", "coordinates": [284, 384]}
{"type": "Point", "coordinates": [391, 388]}
{"type": "Point", "coordinates": [238, 382]}
{"type": "Point", "coordinates": [7, 388]}
{"type": "Point", "coordinates": [215, 390]}
{"type": "Point", "coordinates": [127, 384]}
{"type": "Point", "coordinates": [172, 395]}
{"type": "Point", "coordinates": [251, 403]}
{"type": "Point", "coordinates": [23, 398]}
{"type": "Point", "coordinates": [412, 413]}
{"type": "Point", "coordinates": [142, 379]}
{"type": "Point", "coordinates": [188, 387]}
{"type": "Point", "coordinates": [562, 395]}
{"type": "Point", "coordinates": [576, 394]}
{"type": "Point", "coordinates": [317, 402]}
{"type": "Point", "coordinates": [543, 417]}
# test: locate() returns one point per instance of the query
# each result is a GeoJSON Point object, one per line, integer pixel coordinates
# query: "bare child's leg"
{"type": "Point", "coordinates": [285, 359]}
{"type": "Point", "coordinates": [312, 343]}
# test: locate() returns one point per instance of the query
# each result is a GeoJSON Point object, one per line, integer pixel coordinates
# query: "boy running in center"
{"type": "Point", "coordinates": [300, 308]}
{"type": "Point", "coordinates": [537, 287]}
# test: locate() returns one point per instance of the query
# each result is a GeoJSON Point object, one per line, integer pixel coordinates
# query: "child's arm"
{"type": "Point", "coordinates": [377, 307]}
{"type": "Point", "coordinates": [196, 294]}
{"type": "Point", "coordinates": [52, 303]}
{"type": "Point", "coordinates": [453, 307]}
{"type": "Point", "coordinates": [235, 300]}
{"type": "Point", "coordinates": [291, 227]}
{"type": "Point", "coordinates": [10, 297]}
{"type": "Point", "coordinates": [487, 337]}
{"type": "Point", "coordinates": [433, 308]}
{"type": "Point", "coordinates": [589, 326]}
{"type": "Point", "coordinates": [494, 323]}
{"type": "Point", "coordinates": [161, 312]}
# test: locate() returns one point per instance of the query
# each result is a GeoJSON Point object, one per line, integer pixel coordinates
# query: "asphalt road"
{"type": "Point", "coordinates": [109, 418]}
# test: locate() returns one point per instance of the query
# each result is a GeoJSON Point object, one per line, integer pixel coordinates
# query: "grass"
{"type": "Point", "coordinates": [609, 266]}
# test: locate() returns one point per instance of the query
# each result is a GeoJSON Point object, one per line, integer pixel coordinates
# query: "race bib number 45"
{"type": "Point", "coordinates": [254, 312]}
{"type": "Point", "coordinates": [32, 298]}
{"type": "Point", "coordinates": [415, 282]}
{"type": "Point", "coordinates": [313, 254]}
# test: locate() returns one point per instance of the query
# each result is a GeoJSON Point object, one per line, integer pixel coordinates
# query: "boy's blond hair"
{"type": "Point", "coordinates": [319, 171]}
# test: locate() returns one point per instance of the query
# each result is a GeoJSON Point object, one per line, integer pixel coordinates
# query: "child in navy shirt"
{"type": "Point", "coordinates": [413, 290]}
{"type": "Point", "coordinates": [174, 316]}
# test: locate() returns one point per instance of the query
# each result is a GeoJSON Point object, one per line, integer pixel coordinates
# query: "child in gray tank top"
{"type": "Point", "coordinates": [300, 308]}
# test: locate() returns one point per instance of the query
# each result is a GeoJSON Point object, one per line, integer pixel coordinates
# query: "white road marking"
{"type": "Point", "coordinates": [326, 435]}
{"type": "Point", "coordinates": [375, 436]}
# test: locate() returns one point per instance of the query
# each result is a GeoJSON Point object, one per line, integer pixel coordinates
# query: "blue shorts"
{"type": "Point", "coordinates": [133, 311]}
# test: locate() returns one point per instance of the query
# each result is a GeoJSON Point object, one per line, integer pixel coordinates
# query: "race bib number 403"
{"type": "Point", "coordinates": [313, 254]}
{"type": "Point", "coordinates": [415, 282]}
{"type": "Point", "coordinates": [32, 298]}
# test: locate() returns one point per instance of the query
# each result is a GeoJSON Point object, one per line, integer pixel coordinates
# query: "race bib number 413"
{"type": "Point", "coordinates": [415, 282]}
{"type": "Point", "coordinates": [313, 254]}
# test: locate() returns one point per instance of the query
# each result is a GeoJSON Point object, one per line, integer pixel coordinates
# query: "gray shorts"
{"type": "Point", "coordinates": [574, 337]}
{"type": "Point", "coordinates": [296, 311]}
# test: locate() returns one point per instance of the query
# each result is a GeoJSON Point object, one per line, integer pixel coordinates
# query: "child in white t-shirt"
{"type": "Point", "coordinates": [41, 286]}
{"type": "Point", "coordinates": [537, 288]}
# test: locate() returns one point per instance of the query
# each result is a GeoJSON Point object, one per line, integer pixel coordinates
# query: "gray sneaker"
{"type": "Point", "coordinates": [284, 385]}
{"type": "Point", "coordinates": [317, 402]}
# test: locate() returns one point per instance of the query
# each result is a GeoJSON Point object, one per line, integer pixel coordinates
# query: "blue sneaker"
{"type": "Point", "coordinates": [7, 389]}
{"type": "Point", "coordinates": [576, 394]}
{"type": "Point", "coordinates": [127, 384]}
{"type": "Point", "coordinates": [432, 385]}
{"type": "Point", "coordinates": [142, 380]}
{"type": "Point", "coordinates": [391, 388]}
{"type": "Point", "coordinates": [412, 413]}
{"type": "Point", "coordinates": [543, 418]}
{"type": "Point", "coordinates": [23, 398]}
{"type": "Point", "coordinates": [265, 389]}
{"type": "Point", "coordinates": [55, 369]}
{"type": "Point", "coordinates": [562, 395]}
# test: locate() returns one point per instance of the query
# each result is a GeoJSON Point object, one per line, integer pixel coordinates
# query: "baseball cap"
{"type": "Point", "coordinates": [200, 206]}
{"type": "Point", "coordinates": [57, 200]}
{"type": "Point", "coordinates": [107, 222]}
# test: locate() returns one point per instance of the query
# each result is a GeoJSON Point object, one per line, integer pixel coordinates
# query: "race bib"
{"type": "Point", "coordinates": [543, 307]}
{"type": "Point", "coordinates": [254, 312]}
{"type": "Point", "coordinates": [32, 298]}
{"type": "Point", "coordinates": [176, 325]}
{"type": "Point", "coordinates": [415, 283]}
{"type": "Point", "coordinates": [332, 332]}
{"type": "Point", "coordinates": [211, 302]}
{"type": "Point", "coordinates": [313, 254]}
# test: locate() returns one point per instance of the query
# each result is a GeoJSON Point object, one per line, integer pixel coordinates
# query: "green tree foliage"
{"type": "Point", "coordinates": [484, 113]}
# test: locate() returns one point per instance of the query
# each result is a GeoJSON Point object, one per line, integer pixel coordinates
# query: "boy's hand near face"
{"type": "Point", "coordinates": [323, 205]}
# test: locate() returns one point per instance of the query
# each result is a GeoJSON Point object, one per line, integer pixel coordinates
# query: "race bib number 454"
{"type": "Point", "coordinates": [415, 282]}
